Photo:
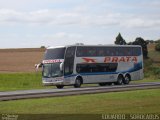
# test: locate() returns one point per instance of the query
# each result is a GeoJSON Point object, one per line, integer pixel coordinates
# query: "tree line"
{"type": "Point", "coordinates": [138, 41]}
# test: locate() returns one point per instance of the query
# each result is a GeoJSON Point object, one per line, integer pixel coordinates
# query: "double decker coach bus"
{"type": "Point", "coordinates": [76, 65]}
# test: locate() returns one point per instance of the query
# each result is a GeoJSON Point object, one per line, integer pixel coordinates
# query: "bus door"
{"type": "Point", "coordinates": [69, 61]}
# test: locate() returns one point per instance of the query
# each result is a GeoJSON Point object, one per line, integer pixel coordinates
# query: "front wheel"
{"type": "Point", "coordinates": [77, 83]}
{"type": "Point", "coordinates": [59, 86]}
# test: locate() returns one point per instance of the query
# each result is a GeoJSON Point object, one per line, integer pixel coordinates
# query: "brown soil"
{"type": "Point", "coordinates": [20, 60]}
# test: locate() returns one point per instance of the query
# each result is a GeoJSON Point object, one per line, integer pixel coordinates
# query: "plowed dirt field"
{"type": "Point", "coordinates": [20, 60]}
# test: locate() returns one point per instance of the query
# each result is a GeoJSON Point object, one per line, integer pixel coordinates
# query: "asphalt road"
{"type": "Point", "coordinates": [40, 93]}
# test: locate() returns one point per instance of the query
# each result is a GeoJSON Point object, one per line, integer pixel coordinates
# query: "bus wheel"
{"type": "Point", "coordinates": [119, 80]}
{"type": "Point", "coordinates": [78, 83]}
{"type": "Point", "coordinates": [59, 86]}
{"type": "Point", "coordinates": [127, 79]}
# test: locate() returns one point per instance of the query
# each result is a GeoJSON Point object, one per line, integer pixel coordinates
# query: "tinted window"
{"type": "Point", "coordinates": [136, 51]}
{"type": "Point", "coordinates": [85, 51]}
{"type": "Point", "coordinates": [125, 51]}
{"type": "Point", "coordinates": [121, 51]}
{"type": "Point", "coordinates": [57, 53]}
{"type": "Point", "coordinates": [94, 67]}
{"type": "Point", "coordinates": [69, 60]}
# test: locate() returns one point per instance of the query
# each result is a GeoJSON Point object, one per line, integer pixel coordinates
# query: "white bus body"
{"type": "Point", "coordinates": [76, 65]}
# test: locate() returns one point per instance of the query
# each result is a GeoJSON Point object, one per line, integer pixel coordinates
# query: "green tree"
{"type": "Point", "coordinates": [157, 41]}
{"type": "Point", "coordinates": [120, 40]}
{"type": "Point", "coordinates": [42, 47]}
{"type": "Point", "coordinates": [157, 47]}
{"type": "Point", "coordinates": [143, 43]}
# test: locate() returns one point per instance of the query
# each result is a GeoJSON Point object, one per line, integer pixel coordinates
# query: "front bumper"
{"type": "Point", "coordinates": [53, 81]}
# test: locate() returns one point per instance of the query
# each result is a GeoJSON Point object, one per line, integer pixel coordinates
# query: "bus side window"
{"type": "Point", "coordinates": [96, 67]}
{"type": "Point", "coordinates": [120, 51]}
{"type": "Point", "coordinates": [100, 51]}
{"type": "Point", "coordinates": [137, 51]}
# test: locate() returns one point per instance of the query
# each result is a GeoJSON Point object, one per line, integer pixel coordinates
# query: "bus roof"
{"type": "Point", "coordinates": [56, 47]}
{"type": "Point", "coordinates": [94, 46]}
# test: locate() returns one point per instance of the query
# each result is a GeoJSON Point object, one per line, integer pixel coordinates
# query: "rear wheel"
{"type": "Point", "coordinates": [78, 83]}
{"type": "Point", "coordinates": [119, 80]}
{"type": "Point", "coordinates": [127, 79]}
{"type": "Point", "coordinates": [59, 86]}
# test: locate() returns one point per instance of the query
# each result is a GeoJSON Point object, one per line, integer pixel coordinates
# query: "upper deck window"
{"type": "Point", "coordinates": [91, 51]}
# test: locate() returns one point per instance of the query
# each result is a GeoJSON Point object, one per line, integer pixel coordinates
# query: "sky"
{"type": "Point", "coordinates": [36, 23]}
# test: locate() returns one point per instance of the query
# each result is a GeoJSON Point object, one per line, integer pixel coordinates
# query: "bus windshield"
{"type": "Point", "coordinates": [52, 70]}
{"type": "Point", "coordinates": [56, 53]}
{"type": "Point", "coordinates": [51, 62]}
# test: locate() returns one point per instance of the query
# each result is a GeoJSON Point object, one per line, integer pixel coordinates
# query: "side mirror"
{"type": "Point", "coordinates": [61, 66]}
{"type": "Point", "coordinates": [38, 65]}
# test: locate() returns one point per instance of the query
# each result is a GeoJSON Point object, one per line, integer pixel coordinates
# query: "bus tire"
{"type": "Point", "coordinates": [59, 86]}
{"type": "Point", "coordinates": [78, 82]}
{"type": "Point", "coordinates": [127, 79]}
{"type": "Point", "coordinates": [120, 80]}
